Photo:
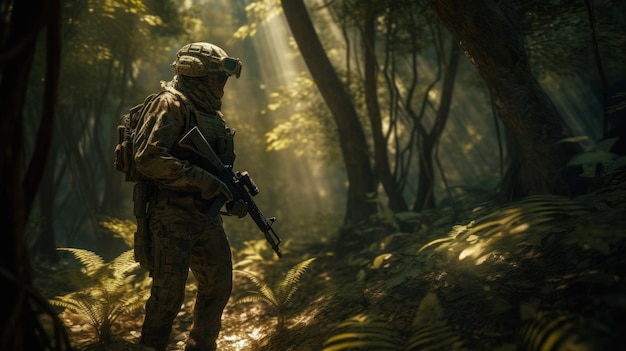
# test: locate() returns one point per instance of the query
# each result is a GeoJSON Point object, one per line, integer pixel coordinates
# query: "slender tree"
{"type": "Point", "coordinates": [382, 164]}
{"type": "Point", "coordinates": [425, 197]}
{"type": "Point", "coordinates": [354, 147]}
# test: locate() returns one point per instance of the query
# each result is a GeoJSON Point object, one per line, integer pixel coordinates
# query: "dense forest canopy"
{"type": "Point", "coordinates": [356, 118]}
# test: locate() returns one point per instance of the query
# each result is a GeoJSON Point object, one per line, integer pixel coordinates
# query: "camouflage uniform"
{"type": "Point", "coordinates": [183, 235]}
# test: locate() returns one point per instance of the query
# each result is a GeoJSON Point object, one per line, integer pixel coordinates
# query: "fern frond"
{"type": "Point", "coordinates": [279, 295]}
{"type": "Point", "coordinates": [435, 242]}
{"type": "Point", "coordinates": [109, 294]}
{"type": "Point", "coordinates": [123, 264]}
{"type": "Point", "coordinates": [548, 332]}
{"type": "Point", "coordinates": [429, 311]}
{"type": "Point", "coordinates": [118, 291]}
{"type": "Point", "coordinates": [565, 330]}
{"type": "Point", "coordinates": [92, 261]}
{"type": "Point", "coordinates": [263, 289]}
{"type": "Point", "coordinates": [74, 302]}
{"type": "Point", "coordinates": [363, 331]}
{"type": "Point", "coordinates": [430, 328]}
{"type": "Point", "coordinates": [289, 285]}
{"type": "Point", "coordinates": [509, 229]}
{"type": "Point", "coordinates": [83, 304]}
{"type": "Point", "coordinates": [350, 344]}
{"type": "Point", "coordinates": [253, 297]}
{"type": "Point", "coordinates": [433, 338]}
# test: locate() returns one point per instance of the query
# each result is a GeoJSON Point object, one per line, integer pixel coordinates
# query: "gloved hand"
{"type": "Point", "coordinates": [237, 208]}
{"type": "Point", "coordinates": [216, 187]}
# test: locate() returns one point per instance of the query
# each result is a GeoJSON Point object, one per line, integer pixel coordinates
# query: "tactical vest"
{"type": "Point", "coordinates": [214, 129]}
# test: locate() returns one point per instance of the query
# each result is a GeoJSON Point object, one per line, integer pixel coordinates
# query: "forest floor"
{"type": "Point", "coordinates": [562, 280]}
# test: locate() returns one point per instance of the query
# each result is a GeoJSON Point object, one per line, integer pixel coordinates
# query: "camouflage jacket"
{"type": "Point", "coordinates": [158, 155]}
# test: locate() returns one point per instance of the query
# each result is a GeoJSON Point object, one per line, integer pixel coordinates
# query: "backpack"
{"type": "Point", "coordinates": [126, 131]}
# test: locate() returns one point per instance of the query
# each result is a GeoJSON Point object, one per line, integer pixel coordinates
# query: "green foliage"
{"type": "Point", "coordinates": [559, 330]}
{"type": "Point", "coordinates": [95, 59]}
{"type": "Point", "coordinates": [598, 158]}
{"type": "Point", "coordinates": [510, 229]}
{"type": "Point", "coordinates": [254, 251]}
{"type": "Point", "coordinates": [365, 332]}
{"type": "Point", "coordinates": [121, 228]}
{"type": "Point", "coordinates": [430, 328]}
{"type": "Point", "coordinates": [430, 331]}
{"type": "Point", "coordinates": [565, 253]}
{"type": "Point", "coordinates": [258, 13]}
{"type": "Point", "coordinates": [277, 296]}
{"type": "Point", "coordinates": [306, 131]}
{"type": "Point", "coordinates": [107, 290]}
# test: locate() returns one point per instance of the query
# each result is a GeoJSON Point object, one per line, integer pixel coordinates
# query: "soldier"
{"type": "Point", "coordinates": [182, 235]}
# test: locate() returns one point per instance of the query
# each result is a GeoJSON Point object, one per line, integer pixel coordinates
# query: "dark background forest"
{"type": "Point", "coordinates": [445, 174]}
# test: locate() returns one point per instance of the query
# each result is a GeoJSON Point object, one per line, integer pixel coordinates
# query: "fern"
{"type": "Point", "coordinates": [510, 229]}
{"type": "Point", "coordinates": [277, 296]}
{"type": "Point", "coordinates": [363, 331]}
{"type": "Point", "coordinates": [430, 331]}
{"type": "Point", "coordinates": [561, 330]}
{"type": "Point", "coordinates": [107, 291]}
{"type": "Point", "coordinates": [430, 328]}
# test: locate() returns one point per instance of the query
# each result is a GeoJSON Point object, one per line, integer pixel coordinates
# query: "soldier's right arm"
{"type": "Point", "coordinates": [164, 122]}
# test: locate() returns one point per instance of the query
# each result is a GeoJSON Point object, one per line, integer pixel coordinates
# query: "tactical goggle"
{"type": "Point", "coordinates": [228, 65]}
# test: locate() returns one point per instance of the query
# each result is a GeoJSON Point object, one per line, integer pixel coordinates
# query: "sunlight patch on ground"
{"type": "Point", "coordinates": [242, 327]}
{"type": "Point", "coordinates": [304, 319]}
{"type": "Point", "coordinates": [239, 342]}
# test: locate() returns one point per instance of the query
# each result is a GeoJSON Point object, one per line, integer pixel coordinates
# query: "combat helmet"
{"type": "Point", "coordinates": [201, 58]}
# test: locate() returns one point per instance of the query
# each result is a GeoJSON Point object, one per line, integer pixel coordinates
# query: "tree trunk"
{"type": "Point", "coordinates": [494, 45]}
{"type": "Point", "coordinates": [425, 198]}
{"type": "Point", "coordinates": [21, 329]}
{"type": "Point", "coordinates": [381, 156]}
{"type": "Point", "coordinates": [44, 245]}
{"type": "Point", "coordinates": [354, 148]}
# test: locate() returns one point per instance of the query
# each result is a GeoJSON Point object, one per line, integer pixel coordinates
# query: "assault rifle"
{"type": "Point", "coordinates": [240, 185]}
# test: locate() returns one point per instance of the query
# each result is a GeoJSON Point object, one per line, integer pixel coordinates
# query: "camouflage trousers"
{"type": "Point", "coordinates": [185, 238]}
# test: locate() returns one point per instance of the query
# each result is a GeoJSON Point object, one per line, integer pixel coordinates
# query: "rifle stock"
{"type": "Point", "coordinates": [240, 185]}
